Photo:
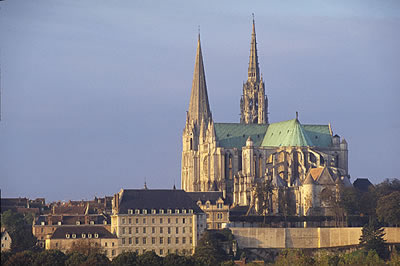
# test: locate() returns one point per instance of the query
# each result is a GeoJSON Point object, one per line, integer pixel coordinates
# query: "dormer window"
{"type": "Point", "coordinates": [169, 211]}
{"type": "Point", "coordinates": [78, 222]}
{"type": "Point", "coordinates": [176, 210]}
{"type": "Point", "coordinates": [91, 222]}
{"type": "Point", "coordinates": [161, 211]}
{"type": "Point", "coordinates": [153, 211]}
{"type": "Point", "coordinates": [42, 223]}
{"type": "Point", "coordinates": [183, 211]}
{"type": "Point", "coordinates": [83, 235]}
{"type": "Point", "coordinates": [137, 211]}
{"type": "Point", "coordinates": [89, 235]}
{"type": "Point", "coordinates": [96, 235]}
{"type": "Point", "coordinates": [105, 222]}
{"type": "Point", "coordinates": [144, 211]}
{"type": "Point", "coordinates": [67, 236]}
{"type": "Point", "coordinates": [59, 223]}
{"type": "Point", "coordinates": [190, 210]}
{"type": "Point", "coordinates": [73, 235]}
{"type": "Point", "coordinates": [130, 211]}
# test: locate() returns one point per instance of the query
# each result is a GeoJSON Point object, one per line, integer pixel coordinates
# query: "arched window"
{"type": "Point", "coordinates": [255, 163]}
{"type": "Point", "coordinates": [228, 166]}
{"type": "Point", "coordinates": [191, 144]}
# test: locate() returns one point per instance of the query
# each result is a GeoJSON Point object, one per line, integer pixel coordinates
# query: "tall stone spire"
{"type": "Point", "coordinates": [199, 108]}
{"type": "Point", "coordinates": [254, 102]}
{"type": "Point", "coordinates": [254, 70]}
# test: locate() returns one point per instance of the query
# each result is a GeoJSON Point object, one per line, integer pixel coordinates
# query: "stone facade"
{"type": "Point", "coordinates": [5, 240]}
{"type": "Point", "coordinates": [163, 221]}
{"type": "Point", "coordinates": [234, 157]}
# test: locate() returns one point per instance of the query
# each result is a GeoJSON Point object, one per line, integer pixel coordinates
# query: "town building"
{"type": "Point", "coordinates": [45, 225]}
{"type": "Point", "coordinates": [215, 207]}
{"type": "Point", "coordinates": [300, 160]}
{"type": "Point", "coordinates": [5, 240]}
{"type": "Point", "coordinates": [67, 238]}
{"type": "Point", "coordinates": [163, 221]}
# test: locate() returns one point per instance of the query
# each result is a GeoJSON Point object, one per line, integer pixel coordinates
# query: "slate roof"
{"type": "Point", "coordinates": [212, 196]}
{"type": "Point", "coordinates": [72, 219]}
{"type": "Point", "coordinates": [156, 199]}
{"type": "Point", "coordinates": [234, 135]}
{"type": "Point", "coordinates": [362, 184]}
{"type": "Point", "coordinates": [60, 232]}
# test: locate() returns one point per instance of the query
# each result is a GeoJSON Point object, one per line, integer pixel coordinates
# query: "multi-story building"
{"type": "Point", "coordinates": [5, 240]}
{"type": "Point", "coordinates": [215, 207]}
{"type": "Point", "coordinates": [46, 225]}
{"type": "Point", "coordinates": [163, 221]}
{"type": "Point", "coordinates": [66, 238]}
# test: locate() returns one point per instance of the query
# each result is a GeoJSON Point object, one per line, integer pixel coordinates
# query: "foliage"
{"type": "Point", "coordinates": [360, 257]}
{"type": "Point", "coordinates": [20, 232]}
{"type": "Point", "coordinates": [97, 259]}
{"type": "Point", "coordinates": [176, 260]}
{"type": "Point", "coordinates": [372, 238]}
{"type": "Point", "coordinates": [75, 258]}
{"type": "Point", "coordinates": [126, 258]}
{"type": "Point", "coordinates": [228, 263]}
{"type": "Point", "coordinates": [294, 257]}
{"type": "Point", "coordinates": [50, 257]}
{"type": "Point", "coordinates": [21, 259]}
{"type": "Point", "coordinates": [209, 250]}
{"type": "Point", "coordinates": [5, 255]}
{"type": "Point", "coordinates": [263, 193]}
{"type": "Point", "coordinates": [149, 258]}
{"type": "Point", "coordinates": [388, 208]}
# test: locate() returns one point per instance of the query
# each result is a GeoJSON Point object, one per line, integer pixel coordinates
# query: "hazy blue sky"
{"type": "Point", "coordinates": [95, 92]}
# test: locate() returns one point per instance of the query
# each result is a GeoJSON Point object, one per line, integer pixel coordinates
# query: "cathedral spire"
{"type": "Point", "coordinates": [254, 71]}
{"type": "Point", "coordinates": [199, 108]}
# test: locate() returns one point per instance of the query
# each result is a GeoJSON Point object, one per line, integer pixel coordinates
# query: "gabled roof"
{"type": "Point", "coordinates": [309, 180]}
{"type": "Point", "coordinates": [362, 184]}
{"type": "Point", "coordinates": [211, 196]}
{"type": "Point", "coordinates": [234, 135]}
{"type": "Point", "coordinates": [62, 231]}
{"type": "Point", "coordinates": [293, 133]}
{"type": "Point", "coordinates": [156, 199]}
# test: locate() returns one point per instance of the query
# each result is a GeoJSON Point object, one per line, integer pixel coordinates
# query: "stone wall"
{"type": "Point", "coordinates": [304, 237]}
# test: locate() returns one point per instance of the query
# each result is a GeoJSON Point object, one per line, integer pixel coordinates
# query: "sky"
{"type": "Point", "coordinates": [94, 93]}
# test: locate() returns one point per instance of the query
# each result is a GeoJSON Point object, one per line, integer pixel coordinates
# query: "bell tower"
{"type": "Point", "coordinates": [254, 102]}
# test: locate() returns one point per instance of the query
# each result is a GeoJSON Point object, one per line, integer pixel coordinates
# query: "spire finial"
{"type": "Point", "coordinates": [198, 30]}
{"type": "Point", "coordinates": [297, 115]}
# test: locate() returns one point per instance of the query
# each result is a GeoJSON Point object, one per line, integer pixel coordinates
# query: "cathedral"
{"type": "Point", "coordinates": [302, 163]}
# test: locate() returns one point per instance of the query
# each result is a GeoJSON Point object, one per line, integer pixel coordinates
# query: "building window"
{"type": "Point", "coordinates": [177, 230]}
{"type": "Point", "coordinates": [219, 225]}
{"type": "Point", "coordinates": [219, 216]}
{"type": "Point", "coordinates": [73, 235]}
{"type": "Point", "coordinates": [137, 230]}
{"type": "Point", "coordinates": [144, 241]}
{"type": "Point", "coordinates": [130, 241]}
{"type": "Point", "coordinates": [161, 240]}
{"type": "Point", "coordinates": [153, 211]}
{"type": "Point", "coordinates": [123, 230]}
{"type": "Point", "coordinates": [176, 220]}
{"type": "Point", "coordinates": [144, 230]}
{"type": "Point", "coordinates": [169, 221]}
{"type": "Point", "coordinates": [161, 211]}
{"type": "Point", "coordinates": [130, 230]}
{"type": "Point", "coordinates": [137, 240]}
{"type": "Point", "coordinates": [161, 252]}
{"type": "Point", "coordinates": [169, 240]}
{"type": "Point", "coordinates": [153, 240]}
{"type": "Point", "coordinates": [161, 230]}
{"type": "Point", "coordinates": [219, 205]}
{"type": "Point", "coordinates": [183, 240]}
{"type": "Point", "coordinates": [161, 220]}
{"type": "Point", "coordinates": [67, 236]}
{"type": "Point", "coordinates": [176, 210]}
{"type": "Point", "coordinates": [190, 229]}
{"type": "Point", "coordinates": [190, 240]}
{"type": "Point", "coordinates": [123, 220]}
{"type": "Point", "coordinates": [183, 220]}
{"type": "Point", "coordinates": [190, 210]}
{"type": "Point", "coordinates": [183, 230]}
{"type": "Point", "coordinates": [83, 235]}
{"type": "Point", "coordinates": [78, 222]}
{"type": "Point", "coordinates": [169, 211]}
{"type": "Point", "coordinates": [113, 252]}
{"type": "Point", "coordinates": [169, 230]}
{"type": "Point", "coordinates": [177, 240]}
{"type": "Point", "coordinates": [144, 211]}
{"type": "Point", "coordinates": [123, 241]}
{"type": "Point", "coordinates": [130, 220]}
{"type": "Point", "coordinates": [137, 220]}
{"type": "Point", "coordinates": [91, 222]}
{"type": "Point", "coordinates": [144, 220]}
{"type": "Point", "coordinates": [153, 220]}
{"type": "Point", "coordinates": [130, 211]}
{"type": "Point", "coordinates": [153, 230]}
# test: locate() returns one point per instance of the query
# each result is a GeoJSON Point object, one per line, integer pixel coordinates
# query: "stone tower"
{"type": "Point", "coordinates": [198, 126]}
{"type": "Point", "coordinates": [254, 102]}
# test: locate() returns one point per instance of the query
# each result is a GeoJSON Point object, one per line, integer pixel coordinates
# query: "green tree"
{"type": "Point", "coordinates": [97, 259]}
{"type": "Point", "coordinates": [75, 258]}
{"type": "Point", "coordinates": [388, 208]}
{"type": "Point", "coordinates": [51, 257]}
{"type": "Point", "coordinates": [209, 250]}
{"type": "Point", "coordinates": [294, 257]}
{"type": "Point", "coordinates": [21, 259]}
{"type": "Point", "coordinates": [5, 255]}
{"type": "Point", "coordinates": [372, 239]}
{"type": "Point", "coordinates": [20, 232]}
{"type": "Point", "coordinates": [126, 258]}
{"type": "Point", "coordinates": [149, 258]}
{"type": "Point", "coordinates": [176, 260]}
{"type": "Point", "coordinates": [263, 194]}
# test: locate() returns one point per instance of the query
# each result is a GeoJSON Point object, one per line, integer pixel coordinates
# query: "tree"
{"type": "Point", "coordinates": [263, 194]}
{"type": "Point", "coordinates": [388, 208]}
{"type": "Point", "coordinates": [52, 257]}
{"type": "Point", "coordinates": [5, 255]}
{"type": "Point", "coordinates": [97, 259]}
{"type": "Point", "coordinates": [294, 257]}
{"type": "Point", "coordinates": [209, 250]}
{"type": "Point", "coordinates": [149, 258]}
{"type": "Point", "coordinates": [176, 260]}
{"type": "Point", "coordinates": [20, 232]}
{"type": "Point", "coordinates": [126, 258]}
{"type": "Point", "coordinates": [21, 259]}
{"type": "Point", "coordinates": [84, 247]}
{"type": "Point", "coordinates": [372, 239]}
{"type": "Point", "coordinates": [75, 258]}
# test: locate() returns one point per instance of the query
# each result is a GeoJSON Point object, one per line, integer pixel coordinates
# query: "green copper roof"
{"type": "Point", "coordinates": [234, 135]}
{"type": "Point", "coordinates": [292, 133]}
